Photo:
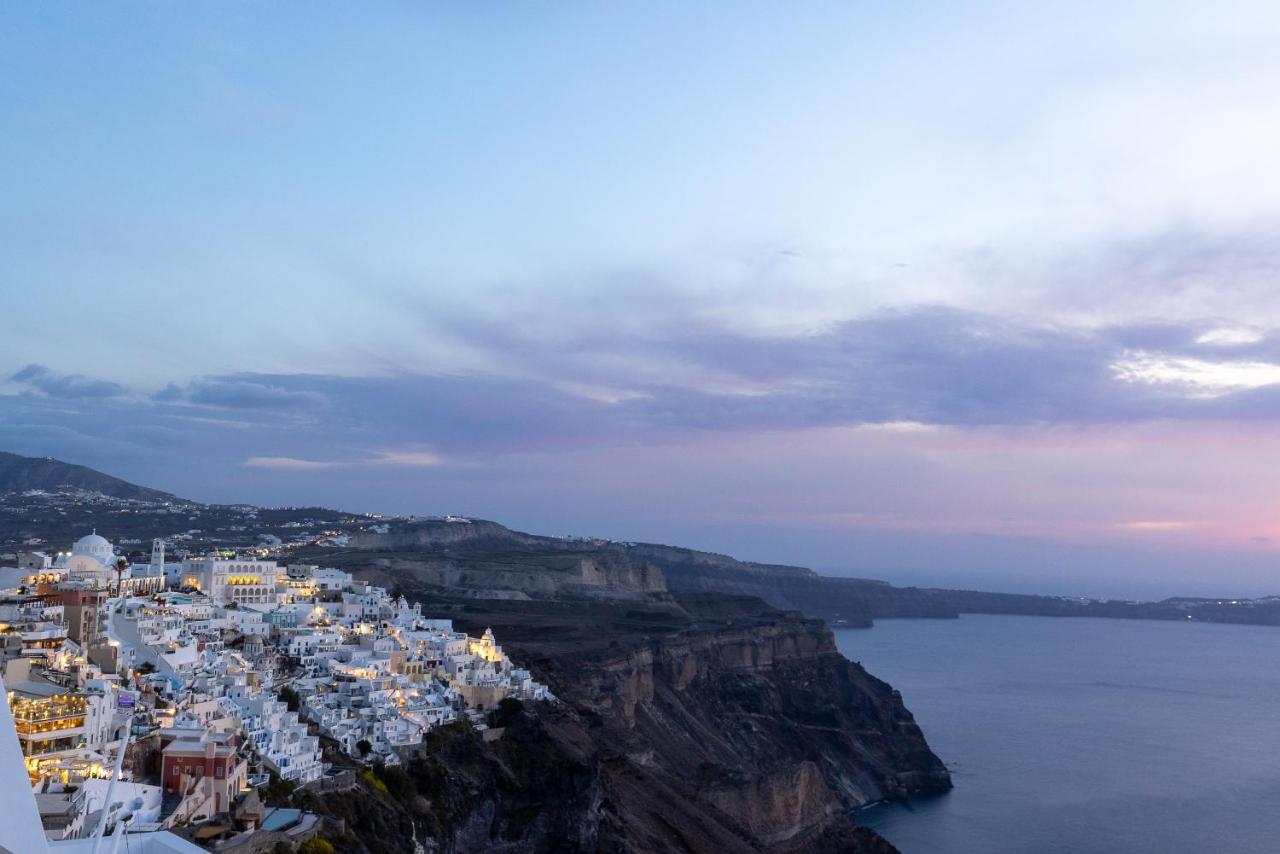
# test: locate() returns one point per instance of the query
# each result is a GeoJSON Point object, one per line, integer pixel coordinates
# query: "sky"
{"type": "Point", "coordinates": [975, 294]}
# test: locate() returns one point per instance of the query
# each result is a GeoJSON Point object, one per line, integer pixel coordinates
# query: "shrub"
{"type": "Point", "coordinates": [508, 709]}
{"type": "Point", "coordinates": [290, 698]}
{"type": "Point", "coordinates": [372, 779]}
{"type": "Point", "coordinates": [278, 792]}
{"type": "Point", "coordinates": [397, 782]}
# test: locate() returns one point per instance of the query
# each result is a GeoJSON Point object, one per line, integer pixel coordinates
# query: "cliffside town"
{"type": "Point", "coordinates": [421, 684]}
{"type": "Point", "coordinates": [220, 675]}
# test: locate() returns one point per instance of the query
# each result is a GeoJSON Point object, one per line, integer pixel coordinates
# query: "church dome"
{"type": "Point", "coordinates": [94, 546]}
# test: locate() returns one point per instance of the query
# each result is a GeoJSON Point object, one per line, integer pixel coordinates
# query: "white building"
{"type": "Point", "coordinates": [21, 830]}
{"type": "Point", "coordinates": [276, 734]}
{"type": "Point", "coordinates": [93, 561]}
{"type": "Point", "coordinates": [244, 581]}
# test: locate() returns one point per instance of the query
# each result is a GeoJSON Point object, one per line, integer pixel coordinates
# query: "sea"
{"type": "Point", "coordinates": [1082, 735]}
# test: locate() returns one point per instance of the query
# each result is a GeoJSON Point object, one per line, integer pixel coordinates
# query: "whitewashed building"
{"type": "Point", "coordinates": [244, 581]}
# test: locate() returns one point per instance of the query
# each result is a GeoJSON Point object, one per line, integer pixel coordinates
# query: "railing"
{"type": "Point", "coordinates": [48, 724]}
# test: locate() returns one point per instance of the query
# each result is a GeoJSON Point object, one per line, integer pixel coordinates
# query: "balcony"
{"type": "Point", "coordinates": [43, 721]}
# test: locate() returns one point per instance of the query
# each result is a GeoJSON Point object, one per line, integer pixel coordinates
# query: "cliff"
{"type": "Point", "coordinates": [486, 560]}
{"type": "Point", "coordinates": [857, 602]}
{"type": "Point", "coordinates": [700, 696]}
{"type": "Point", "coordinates": [1255, 612]}
{"type": "Point", "coordinates": [688, 721]}
{"type": "Point", "coordinates": [852, 602]}
{"type": "Point", "coordinates": [706, 723]}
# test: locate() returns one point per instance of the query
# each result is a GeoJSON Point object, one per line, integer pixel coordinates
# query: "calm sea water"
{"type": "Point", "coordinates": [1085, 735]}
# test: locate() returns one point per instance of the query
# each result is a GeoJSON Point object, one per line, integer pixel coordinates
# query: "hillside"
{"type": "Point", "coordinates": [19, 474]}
{"type": "Point", "coordinates": [47, 503]}
{"type": "Point", "coordinates": [686, 723]}
{"type": "Point", "coordinates": [853, 602]}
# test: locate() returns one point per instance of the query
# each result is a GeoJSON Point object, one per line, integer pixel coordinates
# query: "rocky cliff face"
{"type": "Point", "coordinates": [486, 560]}
{"type": "Point", "coordinates": [433, 534]}
{"type": "Point", "coordinates": [845, 601]}
{"type": "Point", "coordinates": [688, 720]}
{"type": "Point", "coordinates": [701, 696]}
{"type": "Point", "coordinates": [706, 723]}
{"type": "Point", "coordinates": [521, 575]}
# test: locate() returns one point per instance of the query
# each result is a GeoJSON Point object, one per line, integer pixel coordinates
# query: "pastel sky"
{"type": "Point", "coordinates": [976, 294]}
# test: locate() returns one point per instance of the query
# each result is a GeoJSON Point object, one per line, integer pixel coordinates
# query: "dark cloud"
{"type": "Point", "coordinates": [946, 366]}
{"type": "Point", "coordinates": [65, 386]}
{"type": "Point", "coordinates": [242, 394]}
{"type": "Point", "coordinates": [474, 413]}
{"type": "Point", "coordinates": [930, 365]}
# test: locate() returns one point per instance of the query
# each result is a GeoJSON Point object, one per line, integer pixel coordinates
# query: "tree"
{"type": "Point", "coordinates": [508, 709]}
{"type": "Point", "coordinates": [316, 845]}
{"type": "Point", "coordinates": [290, 698]}
{"type": "Point", "coordinates": [364, 747]}
{"type": "Point", "coordinates": [121, 565]}
{"type": "Point", "coordinates": [278, 792]}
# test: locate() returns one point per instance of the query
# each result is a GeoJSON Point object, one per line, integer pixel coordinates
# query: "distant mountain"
{"type": "Point", "coordinates": [19, 473]}
{"type": "Point", "coordinates": [435, 555]}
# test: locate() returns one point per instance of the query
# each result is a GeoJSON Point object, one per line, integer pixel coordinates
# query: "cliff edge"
{"type": "Point", "coordinates": [694, 723]}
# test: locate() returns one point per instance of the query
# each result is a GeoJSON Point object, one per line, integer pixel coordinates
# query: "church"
{"type": "Point", "coordinates": [93, 560]}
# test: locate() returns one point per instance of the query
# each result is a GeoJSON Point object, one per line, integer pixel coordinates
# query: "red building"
{"type": "Point", "coordinates": [215, 768]}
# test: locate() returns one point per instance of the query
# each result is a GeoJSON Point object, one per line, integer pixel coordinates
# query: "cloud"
{"type": "Point", "coordinates": [1219, 278]}
{"type": "Point", "coordinates": [901, 370]}
{"type": "Point", "coordinates": [168, 393]}
{"type": "Point", "coordinates": [242, 394]}
{"type": "Point", "coordinates": [898, 370]}
{"type": "Point", "coordinates": [411, 459]}
{"type": "Point", "coordinates": [928, 365]}
{"type": "Point", "coordinates": [65, 386]}
{"type": "Point", "coordinates": [1200, 377]}
{"type": "Point", "coordinates": [286, 464]}
{"type": "Point", "coordinates": [899, 376]}
{"type": "Point", "coordinates": [1155, 525]}
{"type": "Point", "coordinates": [1230, 336]}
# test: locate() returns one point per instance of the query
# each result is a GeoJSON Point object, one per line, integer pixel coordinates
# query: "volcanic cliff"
{"type": "Point", "coordinates": [687, 722]}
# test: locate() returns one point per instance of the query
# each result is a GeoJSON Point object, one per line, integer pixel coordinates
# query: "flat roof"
{"type": "Point", "coordinates": [279, 819]}
{"type": "Point", "coordinates": [39, 689]}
